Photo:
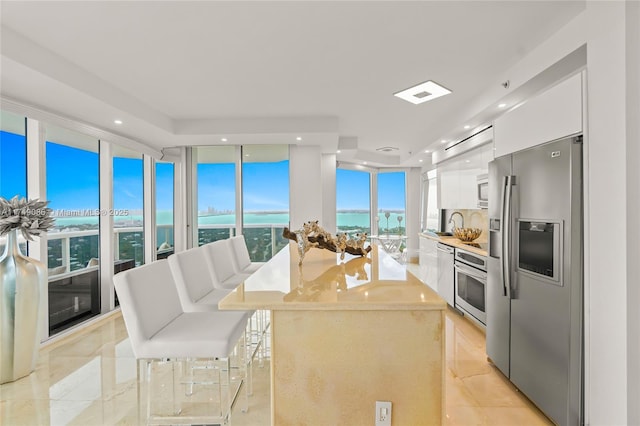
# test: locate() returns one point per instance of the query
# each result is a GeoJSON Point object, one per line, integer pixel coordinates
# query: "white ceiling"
{"type": "Point", "coordinates": [189, 73]}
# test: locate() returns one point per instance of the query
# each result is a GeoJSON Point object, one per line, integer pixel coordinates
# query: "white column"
{"type": "Point", "coordinates": [328, 176]}
{"type": "Point", "coordinates": [149, 216]}
{"type": "Point", "coordinates": [413, 210]}
{"type": "Point", "coordinates": [239, 194]}
{"type": "Point", "coordinates": [37, 188]}
{"type": "Point", "coordinates": [107, 242]}
{"type": "Point", "coordinates": [180, 203]}
{"type": "Point", "coordinates": [191, 190]}
{"type": "Point", "coordinates": [305, 185]}
{"type": "Point", "coordinates": [373, 207]}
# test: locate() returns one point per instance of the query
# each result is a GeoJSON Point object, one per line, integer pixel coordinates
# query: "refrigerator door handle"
{"type": "Point", "coordinates": [506, 236]}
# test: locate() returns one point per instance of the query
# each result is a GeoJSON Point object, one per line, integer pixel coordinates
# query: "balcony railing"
{"type": "Point", "coordinates": [72, 251]}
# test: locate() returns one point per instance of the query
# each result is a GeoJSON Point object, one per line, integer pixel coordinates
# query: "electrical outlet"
{"type": "Point", "coordinates": [383, 413]}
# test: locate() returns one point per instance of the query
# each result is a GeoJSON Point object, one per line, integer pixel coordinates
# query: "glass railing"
{"type": "Point", "coordinates": [263, 240]}
{"type": "Point", "coordinates": [72, 252]}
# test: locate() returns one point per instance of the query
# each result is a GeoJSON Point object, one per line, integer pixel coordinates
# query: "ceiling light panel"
{"type": "Point", "coordinates": [423, 92]}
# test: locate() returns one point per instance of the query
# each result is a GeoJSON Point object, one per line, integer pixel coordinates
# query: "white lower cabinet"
{"type": "Point", "coordinates": [428, 258]}
{"type": "Point", "coordinates": [446, 275]}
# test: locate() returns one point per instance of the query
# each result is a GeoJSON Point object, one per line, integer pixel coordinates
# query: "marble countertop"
{"type": "Point", "coordinates": [454, 242]}
{"type": "Point", "coordinates": [324, 282]}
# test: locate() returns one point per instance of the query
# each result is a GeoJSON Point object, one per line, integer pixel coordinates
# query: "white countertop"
{"type": "Point", "coordinates": [454, 242]}
{"type": "Point", "coordinates": [324, 282]}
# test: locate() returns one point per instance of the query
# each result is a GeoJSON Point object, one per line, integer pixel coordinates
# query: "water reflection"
{"type": "Point", "coordinates": [334, 279]}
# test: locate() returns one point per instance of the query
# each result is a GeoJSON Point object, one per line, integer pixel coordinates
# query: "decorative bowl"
{"type": "Point", "coordinates": [467, 234]}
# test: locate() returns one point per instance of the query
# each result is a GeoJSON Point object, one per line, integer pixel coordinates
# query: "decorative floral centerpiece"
{"type": "Point", "coordinates": [31, 217]}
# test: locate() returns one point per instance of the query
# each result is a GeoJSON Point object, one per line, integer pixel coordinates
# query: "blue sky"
{"type": "Point", "coordinates": [13, 165]}
{"type": "Point", "coordinates": [72, 178]}
{"type": "Point", "coordinates": [265, 186]}
{"type": "Point", "coordinates": [391, 191]}
{"type": "Point", "coordinates": [352, 190]}
{"type": "Point", "coordinates": [72, 182]}
{"type": "Point", "coordinates": [164, 186]}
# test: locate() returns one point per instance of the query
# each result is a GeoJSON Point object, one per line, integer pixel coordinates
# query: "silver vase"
{"type": "Point", "coordinates": [22, 281]}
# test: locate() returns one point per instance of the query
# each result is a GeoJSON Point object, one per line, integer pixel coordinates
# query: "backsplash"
{"type": "Point", "coordinates": [473, 218]}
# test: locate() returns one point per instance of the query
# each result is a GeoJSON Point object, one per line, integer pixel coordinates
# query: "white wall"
{"type": "Point", "coordinates": [305, 186]}
{"type": "Point", "coordinates": [606, 205]}
{"type": "Point", "coordinates": [633, 207]}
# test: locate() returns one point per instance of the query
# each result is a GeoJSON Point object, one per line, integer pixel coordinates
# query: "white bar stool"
{"type": "Point", "coordinates": [162, 334]}
{"type": "Point", "coordinates": [199, 291]}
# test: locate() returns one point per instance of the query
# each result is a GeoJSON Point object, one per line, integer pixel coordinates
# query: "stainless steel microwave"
{"type": "Point", "coordinates": [483, 191]}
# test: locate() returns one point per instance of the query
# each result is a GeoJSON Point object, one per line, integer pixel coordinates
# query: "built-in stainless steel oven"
{"type": "Point", "coordinates": [470, 284]}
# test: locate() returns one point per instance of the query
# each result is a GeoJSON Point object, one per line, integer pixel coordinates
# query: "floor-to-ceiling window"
{"type": "Point", "coordinates": [391, 214]}
{"type": "Point", "coordinates": [72, 186]}
{"type": "Point", "coordinates": [216, 192]}
{"type": "Point", "coordinates": [353, 201]}
{"type": "Point", "coordinates": [13, 159]}
{"type": "Point", "coordinates": [265, 198]}
{"type": "Point", "coordinates": [128, 208]}
{"type": "Point", "coordinates": [164, 209]}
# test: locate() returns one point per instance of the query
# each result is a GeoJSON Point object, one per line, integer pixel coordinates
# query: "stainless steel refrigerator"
{"type": "Point", "coordinates": [535, 275]}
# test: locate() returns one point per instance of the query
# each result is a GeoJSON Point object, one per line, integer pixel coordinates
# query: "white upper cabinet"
{"type": "Point", "coordinates": [458, 178]}
{"type": "Point", "coordinates": [551, 115]}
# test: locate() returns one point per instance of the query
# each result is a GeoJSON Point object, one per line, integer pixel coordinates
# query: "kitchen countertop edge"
{"type": "Point", "coordinates": [454, 242]}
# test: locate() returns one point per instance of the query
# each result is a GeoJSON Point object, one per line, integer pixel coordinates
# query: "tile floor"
{"type": "Point", "coordinates": [89, 379]}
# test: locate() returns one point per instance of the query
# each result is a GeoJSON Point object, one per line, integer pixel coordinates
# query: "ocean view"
{"type": "Point", "coordinates": [263, 232]}
{"type": "Point", "coordinates": [164, 218]}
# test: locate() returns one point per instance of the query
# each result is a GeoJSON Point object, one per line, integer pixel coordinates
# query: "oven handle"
{"type": "Point", "coordinates": [482, 276]}
{"type": "Point", "coordinates": [444, 249]}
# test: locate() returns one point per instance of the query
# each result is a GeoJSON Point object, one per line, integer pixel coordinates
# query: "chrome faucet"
{"type": "Point", "coordinates": [454, 222]}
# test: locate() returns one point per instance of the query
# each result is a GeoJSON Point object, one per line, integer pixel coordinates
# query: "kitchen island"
{"type": "Point", "coordinates": [345, 334]}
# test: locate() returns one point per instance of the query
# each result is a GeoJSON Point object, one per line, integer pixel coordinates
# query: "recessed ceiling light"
{"type": "Point", "coordinates": [387, 149]}
{"type": "Point", "coordinates": [338, 152]}
{"type": "Point", "coordinates": [117, 121]}
{"type": "Point", "coordinates": [467, 127]}
{"type": "Point", "coordinates": [467, 161]}
{"type": "Point", "coordinates": [298, 138]}
{"type": "Point", "coordinates": [223, 139]}
{"type": "Point", "coordinates": [426, 151]}
{"type": "Point", "coordinates": [364, 162]}
{"type": "Point", "coordinates": [246, 155]}
{"type": "Point", "coordinates": [502, 105]}
{"type": "Point", "coordinates": [422, 92]}
{"type": "Point", "coordinates": [420, 161]}
{"type": "Point", "coordinates": [443, 141]}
